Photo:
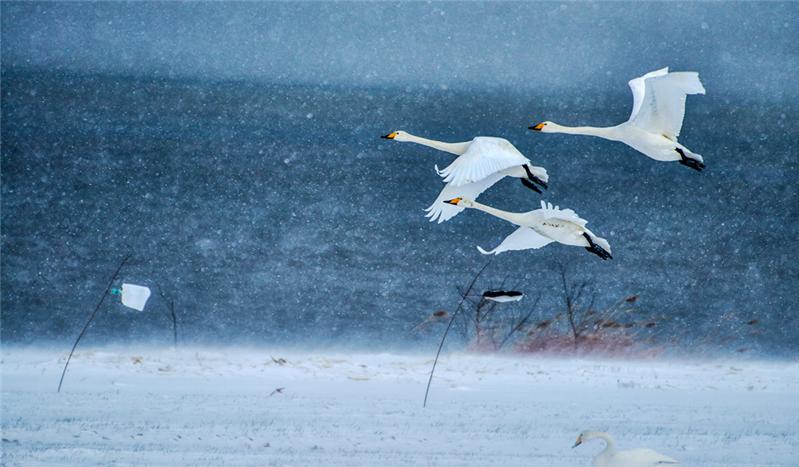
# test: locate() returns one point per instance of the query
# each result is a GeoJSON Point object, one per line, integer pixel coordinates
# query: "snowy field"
{"type": "Point", "coordinates": [209, 407]}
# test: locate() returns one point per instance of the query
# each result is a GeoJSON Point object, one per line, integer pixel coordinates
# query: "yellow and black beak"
{"type": "Point", "coordinates": [454, 201]}
{"type": "Point", "coordinates": [538, 127]}
{"type": "Point", "coordinates": [390, 135]}
{"type": "Point", "coordinates": [578, 442]}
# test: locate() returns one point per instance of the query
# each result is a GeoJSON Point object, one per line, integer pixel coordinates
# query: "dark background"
{"type": "Point", "coordinates": [234, 149]}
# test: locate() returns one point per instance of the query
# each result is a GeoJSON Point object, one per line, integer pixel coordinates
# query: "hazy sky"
{"type": "Point", "coordinates": [740, 46]}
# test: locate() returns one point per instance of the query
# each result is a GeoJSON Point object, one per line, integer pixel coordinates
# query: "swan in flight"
{"type": "Point", "coordinates": [481, 163]}
{"type": "Point", "coordinates": [611, 457]}
{"type": "Point", "coordinates": [656, 119]}
{"type": "Point", "coordinates": [540, 228]}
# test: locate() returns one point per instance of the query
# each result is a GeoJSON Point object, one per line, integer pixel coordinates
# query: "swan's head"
{"type": "Point", "coordinates": [462, 202]}
{"type": "Point", "coordinates": [587, 436]}
{"type": "Point", "coordinates": [543, 127]}
{"type": "Point", "coordinates": [398, 135]}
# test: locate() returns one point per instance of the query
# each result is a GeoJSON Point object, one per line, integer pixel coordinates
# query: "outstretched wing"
{"type": "Point", "coordinates": [638, 88]}
{"type": "Point", "coordinates": [662, 107]}
{"type": "Point", "coordinates": [555, 212]}
{"type": "Point", "coordinates": [484, 157]}
{"type": "Point", "coordinates": [524, 238]}
{"type": "Point", "coordinates": [442, 211]}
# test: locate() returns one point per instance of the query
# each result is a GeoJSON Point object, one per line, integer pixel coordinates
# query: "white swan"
{"type": "Point", "coordinates": [541, 227]}
{"type": "Point", "coordinates": [611, 457]}
{"type": "Point", "coordinates": [656, 119]}
{"type": "Point", "coordinates": [482, 162]}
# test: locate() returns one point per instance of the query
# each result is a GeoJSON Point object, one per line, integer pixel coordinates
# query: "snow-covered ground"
{"type": "Point", "coordinates": [214, 407]}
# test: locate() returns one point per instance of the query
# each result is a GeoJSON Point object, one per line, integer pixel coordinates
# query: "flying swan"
{"type": "Point", "coordinates": [656, 119]}
{"type": "Point", "coordinates": [540, 228]}
{"type": "Point", "coordinates": [611, 457]}
{"type": "Point", "coordinates": [481, 163]}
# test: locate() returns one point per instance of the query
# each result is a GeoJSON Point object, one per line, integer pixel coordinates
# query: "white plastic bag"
{"type": "Point", "coordinates": [135, 296]}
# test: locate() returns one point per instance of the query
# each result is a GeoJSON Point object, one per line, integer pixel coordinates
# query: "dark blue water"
{"type": "Point", "coordinates": [276, 213]}
{"type": "Point", "coordinates": [270, 211]}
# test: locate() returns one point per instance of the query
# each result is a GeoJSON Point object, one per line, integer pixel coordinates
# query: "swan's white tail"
{"type": "Point", "coordinates": [601, 242]}
{"type": "Point", "coordinates": [693, 155]}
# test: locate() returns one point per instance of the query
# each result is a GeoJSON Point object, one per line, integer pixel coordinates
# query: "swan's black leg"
{"type": "Point", "coordinates": [531, 185]}
{"type": "Point", "coordinates": [688, 162]}
{"type": "Point", "coordinates": [533, 178]}
{"type": "Point", "coordinates": [540, 182]}
{"type": "Point", "coordinates": [596, 249]}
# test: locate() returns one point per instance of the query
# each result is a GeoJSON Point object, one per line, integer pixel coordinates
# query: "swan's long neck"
{"type": "Point", "coordinates": [602, 132]}
{"type": "Point", "coordinates": [512, 217]}
{"type": "Point", "coordinates": [610, 443]}
{"type": "Point", "coordinates": [452, 148]}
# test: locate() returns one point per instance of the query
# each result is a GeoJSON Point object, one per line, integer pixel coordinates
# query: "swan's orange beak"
{"type": "Point", "coordinates": [390, 135]}
{"type": "Point", "coordinates": [454, 201]}
{"type": "Point", "coordinates": [538, 127]}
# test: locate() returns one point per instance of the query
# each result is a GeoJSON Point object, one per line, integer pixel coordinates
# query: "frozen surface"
{"type": "Point", "coordinates": [206, 407]}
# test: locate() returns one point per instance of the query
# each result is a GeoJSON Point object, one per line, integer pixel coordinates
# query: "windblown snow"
{"type": "Point", "coordinates": [259, 407]}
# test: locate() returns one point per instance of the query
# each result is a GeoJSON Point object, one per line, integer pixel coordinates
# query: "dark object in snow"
{"type": "Point", "coordinates": [280, 361]}
{"type": "Point", "coordinates": [440, 314]}
{"type": "Point", "coordinates": [503, 296]}
{"type": "Point", "coordinates": [276, 391]}
{"type": "Point", "coordinates": [91, 318]}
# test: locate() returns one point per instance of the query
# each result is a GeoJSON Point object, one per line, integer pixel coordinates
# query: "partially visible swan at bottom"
{"type": "Point", "coordinates": [541, 227]}
{"type": "Point", "coordinates": [612, 457]}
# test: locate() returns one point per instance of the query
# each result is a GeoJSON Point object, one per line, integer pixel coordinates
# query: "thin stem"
{"type": "Point", "coordinates": [452, 320]}
{"type": "Point", "coordinates": [170, 304]}
{"type": "Point", "coordinates": [94, 313]}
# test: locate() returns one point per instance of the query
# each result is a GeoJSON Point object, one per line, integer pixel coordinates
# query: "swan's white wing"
{"type": "Point", "coordinates": [555, 212]}
{"type": "Point", "coordinates": [638, 88]}
{"type": "Point", "coordinates": [442, 211]}
{"type": "Point", "coordinates": [663, 106]}
{"type": "Point", "coordinates": [524, 238]}
{"type": "Point", "coordinates": [484, 157]}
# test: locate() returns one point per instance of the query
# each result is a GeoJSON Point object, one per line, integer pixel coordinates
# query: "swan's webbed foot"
{"type": "Point", "coordinates": [688, 162]}
{"type": "Point", "coordinates": [596, 249]}
{"type": "Point", "coordinates": [533, 178]}
{"type": "Point", "coordinates": [531, 186]}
